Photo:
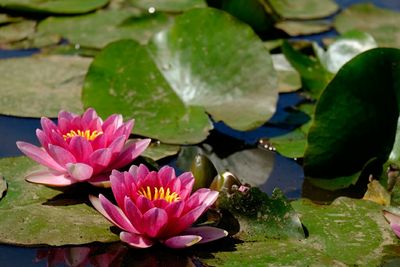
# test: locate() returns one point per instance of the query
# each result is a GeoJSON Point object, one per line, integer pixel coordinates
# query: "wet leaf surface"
{"type": "Point", "coordinates": [98, 29]}
{"type": "Point", "coordinates": [28, 84]}
{"type": "Point", "coordinates": [158, 151]}
{"type": "Point", "coordinates": [168, 5]}
{"type": "Point", "coordinates": [288, 78]}
{"type": "Point", "coordinates": [53, 6]}
{"type": "Point", "coordinates": [382, 24]}
{"type": "Point", "coordinates": [296, 28]}
{"type": "Point", "coordinates": [16, 31]}
{"type": "Point", "coordinates": [360, 102]}
{"type": "Point", "coordinates": [37, 215]}
{"type": "Point", "coordinates": [304, 9]}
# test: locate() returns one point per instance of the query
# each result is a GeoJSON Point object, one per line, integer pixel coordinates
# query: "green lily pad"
{"type": "Point", "coordinates": [314, 76]}
{"type": "Point", "coordinates": [288, 78]}
{"type": "Point", "coordinates": [360, 103]}
{"type": "Point", "coordinates": [168, 5]}
{"type": "Point", "coordinates": [346, 47]}
{"type": "Point", "coordinates": [28, 85]}
{"type": "Point", "coordinates": [296, 28]}
{"type": "Point", "coordinates": [304, 9]}
{"type": "Point", "coordinates": [207, 68]}
{"type": "Point", "coordinates": [328, 243]}
{"type": "Point", "coordinates": [115, 85]}
{"type": "Point", "coordinates": [382, 24]}
{"type": "Point", "coordinates": [183, 70]}
{"type": "Point", "coordinates": [17, 31]}
{"type": "Point", "coordinates": [262, 217]}
{"type": "Point", "coordinates": [53, 6]}
{"type": "Point", "coordinates": [157, 151]}
{"type": "Point", "coordinates": [3, 187]}
{"type": "Point", "coordinates": [98, 29]}
{"type": "Point", "coordinates": [37, 215]}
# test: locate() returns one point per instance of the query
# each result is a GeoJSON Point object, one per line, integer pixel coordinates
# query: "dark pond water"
{"type": "Point", "coordinates": [13, 129]}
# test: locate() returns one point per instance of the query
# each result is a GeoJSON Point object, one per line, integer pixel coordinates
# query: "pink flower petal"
{"type": "Point", "coordinates": [118, 187]}
{"type": "Point", "coordinates": [117, 145]}
{"type": "Point", "coordinates": [42, 137]}
{"type": "Point", "coordinates": [48, 178]}
{"type": "Point", "coordinates": [203, 196]}
{"type": "Point", "coordinates": [188, 219]}
{"type": "Point", "coordinates": [40, 156]}
{"type": "Point", "coordinates": [154, 220]}
{"type": "Point", "coordinates": [66, 116]}
{"type": "Point", "coordinates": [131, 151]}
{"type": "Point", "coordinates": [166, 174]}
{"type": "Point", "coordinates": [80, 148]}
{"type": "Point", "coordinates": [116, 215]}
{"type": "Point", "coordinates": [101, 180]}
{"type": "Point", "coordinates": [100, 159]}
{"type": "Point", "coordinates": [143, 203]}
{"type": "Point", "coordinates": [61, 155]}
{"type": "Point", "coordinates": [47, 125]}
{"type": "Point", "coordinates": [142, 172]}
{"type": "Point", "coordinates": [207, 233]}
{"type": "Point", "coordinates": [182, 241]}
{"type": "Point", "coordinates": [187, 182]}
{"type": "Point", "coordinates": [175, 186]}
{"type": "Point", "coordinates": [89, 115]}
{"type": "Point", "coordinates": [135, 240]}
{"type": "Point", "coordinates": [396, 228]}
{"type": "Point", "coordinates": [112, 123]}
{"type": "Point", "coordinates": [79, 171]}
{"type": "Point", "coordinates": [174, 209]}
{"type": "Point", "coordinates": [134, 215]}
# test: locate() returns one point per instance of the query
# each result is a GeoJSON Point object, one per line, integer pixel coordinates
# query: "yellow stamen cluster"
{"type": "Point", "coordinates": [86, 134]}
{"type": "Point", "coordinates": [159, 193]}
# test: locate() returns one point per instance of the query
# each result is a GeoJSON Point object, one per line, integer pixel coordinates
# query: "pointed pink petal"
{"type": "Point", "coordinates": [174, 210]}
{"type": "Point", "coordinates": [152, 180]}
{"type": "Point", "coordinates": [47, 125]}
{"type": "Point", "coordinates": [112, 213]}
{"type": "Point", "coordinates": [166, 174]}
{"type": "Point", "coordinates": [396, 228]}
{"type": "Point", "coordinates": [182, 241]}
{"type": "Point", "coordinates": [57, 139]}
{"type": "Point", "coordinates": [154, 221]}
{"type": "Point", "coordinates": [187, 182]}
{"type": "Point", "coordinates": [128, 127]}
{"type": "Point", "coordinates": [134, 214]}
{"type": "Point", "coordinates": [117, 145]}
{"type": "Point", "coordinates": [141, 172]}
{"type": "Point", "coordinates": [391, 217]}
{"type": "Point", "coordinates": [66, 115]}
{"type": "Point", "coordinates": [99, 142]}
{"type": "Point", "coordinates": [79, 171]}
{"type": "Point", "coordinates": [89, 115]}
{"type": "Point", "coordinates": [207, 233]}
{"type": "Point", "coordinates": [80, 148]}
{"type": "Point", "coordinates": [132, 151]}
{"type": "Point", "coordinates": [144, 204]}
{"type": "Point", "coordinates": [42, 137]}
{"type": "Point", "coordinates": [135, 240]}
{"type": "Point", "coordinates": [40, 156]}
{"type": "Point", "coordinates": [203, 196]}
{"type": "Point", "coordinates": [188, 219]}
{"type": "Point", "coordinates": [175, 186]}
{"type": "Point", "coordinates": [101, 180]}
{"type": "Point", "coordinates": [112, 123]}
{"type": "Point", "coordinates": [100, 159]}
{"type": "Point", "coordinates": [61, 155]}
{"type": "Point", "coordinates": [118, 187]}
{"type": "Point", "coordinates": [48, 178]}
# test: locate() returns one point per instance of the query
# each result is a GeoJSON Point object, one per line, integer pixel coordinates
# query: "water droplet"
{"type": "Point", "coordinates": [151, 10]}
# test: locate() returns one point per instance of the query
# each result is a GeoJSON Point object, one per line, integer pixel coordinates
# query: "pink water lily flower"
{"type": "Point", "coordinates": [82, 149]}
{"type": "Point", "coordinates": [157, 207]}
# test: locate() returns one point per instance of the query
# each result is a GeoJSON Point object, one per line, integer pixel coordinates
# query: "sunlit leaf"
{"type": "Point", "coordinates": [37, 215]}
{"type": "Point", "coordinates": [53, 6]}
{"type": "Point", "coordinates": [304, 9]}
{"type": "Point", "coordinates": [16, 31]}
{"type": "Point", "coordinates": [288, 78]}
{"type": "Point", "coordinates": [168, 5]}
{"type": "Point", "coordinates": [41, 85]}
{"type": "Point", "coordinates": [296, 28]}
{"type": "Point", "coordinates": [382, 24]}
{"type": "Point", "coordinates": [157, 151]}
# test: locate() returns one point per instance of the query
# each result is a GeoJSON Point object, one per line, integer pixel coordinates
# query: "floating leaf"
{"type": "Point", "coordinates": [53, 6]}
{"type": "Point", "coordinates": [382, 24]}
{"type": "Point", "coordinates": [288, 78]}
{"type": "Point", "coordinates": [304, 9]}
{"type": "Point", "coordinates": [377, 193]}
{"type": "Point", "coordinates": [193, 69]}
{"type": "Point", "coordinates": [168, 5]}
{"type": "Point", "coordinates": [261, 217]}
{"type": "Point", "coordinates": [115, 85]}
{"type": "Point", "coordinates": [42, 85]}
{"type": "Point", "coordinates": [225, 69]}
{"type": "Point", "coordinates": [157, 151]}
{"type": "Point", "coordinates": [4, 18]}
{"type": "Point", "coordinates": [346, 47]}
{"type": "Point", "coordinates": [296, 28]}
{"type": "Point", "coordinates": [360, 103]}
{"type": "Point", "coordinates": [328, 244]}
{"type": "Point", "coordinates": [98, 29]}
{"type": "Point", "coordinates": [36, 215]}
{"type": "Point", "coordinates": [16, 31]}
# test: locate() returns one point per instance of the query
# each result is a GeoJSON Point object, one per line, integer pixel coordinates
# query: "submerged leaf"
{"type": "Point", "coordinates": [42, 85]}
{"type": "Point", "coordinates": [37, 215]}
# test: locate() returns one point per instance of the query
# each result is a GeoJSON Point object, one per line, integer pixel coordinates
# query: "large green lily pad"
{"type": "Point", "coordinates": [37, 215]}
{"type": "Point", "coordinates": [382, 24]}
{"type": "Point", "coordinates": [346, 233]}
{"type": "Point", "coordinates": [41, 85]}
{"type": "Point", "coordinates": [168, 5]}
{"type": "Point", "coordinates": [166, 85]}
{"type": "Point", "coordinates": [98, 29]}
{"type": "Point", "coordinates": [304, 9]}
{"type": "Point", "coordinates": [359, 105]}
{"type": "Point", "coordinates": [53, 6]}
{"type": "Point", "coordinates": [212, 60]}
{"type": "Point", "coordinates": [115, 85]}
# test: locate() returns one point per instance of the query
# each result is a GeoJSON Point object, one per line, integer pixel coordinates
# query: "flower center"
{"type": "Point", "coordinates": [86, 134]}
{"type": "Point", "coordinates": [159, 193]}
